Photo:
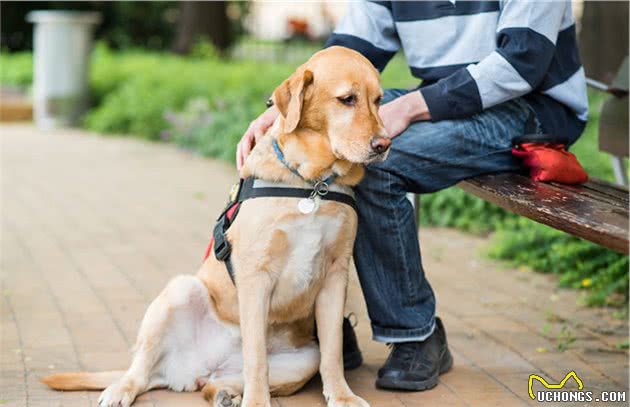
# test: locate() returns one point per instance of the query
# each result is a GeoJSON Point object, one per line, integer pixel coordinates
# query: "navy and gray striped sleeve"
{"type": "Point", "coordinates": [526, 39]}
{"type": "Point", "coordinates": [368, 27]}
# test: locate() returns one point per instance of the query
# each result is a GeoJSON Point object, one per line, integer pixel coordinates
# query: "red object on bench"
{"type": "Point", "coordinates": [551, 162]}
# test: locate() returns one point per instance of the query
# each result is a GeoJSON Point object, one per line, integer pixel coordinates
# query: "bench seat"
{"type": "Point", "coordinates": [596, 211]}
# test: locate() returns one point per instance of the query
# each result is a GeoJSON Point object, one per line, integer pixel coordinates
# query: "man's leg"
{"type": "Point", "coordinates": [425, 158]}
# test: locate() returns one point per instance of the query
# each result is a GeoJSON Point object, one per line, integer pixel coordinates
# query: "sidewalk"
{"type": "Point", "coordinates": [93, 227]}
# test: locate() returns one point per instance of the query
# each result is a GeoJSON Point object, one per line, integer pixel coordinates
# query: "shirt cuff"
{"type": "Point", "coordinates": [454, 97]}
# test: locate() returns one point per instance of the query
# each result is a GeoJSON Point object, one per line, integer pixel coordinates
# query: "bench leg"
{"type": "Point", "coordinates": [620, 170]}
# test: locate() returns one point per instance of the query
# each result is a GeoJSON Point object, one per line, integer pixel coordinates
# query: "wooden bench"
{"type": "Point", "coordinates": [596, 211]}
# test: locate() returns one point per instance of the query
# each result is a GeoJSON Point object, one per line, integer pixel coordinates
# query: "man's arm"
{"type": "Point", "coordinates": [526, 41]}
{"type": "Point", "coordinates": [368, 27]}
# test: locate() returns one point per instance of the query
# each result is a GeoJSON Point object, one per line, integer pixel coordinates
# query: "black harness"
{"type": "Point", "coordinates": [253, 188]}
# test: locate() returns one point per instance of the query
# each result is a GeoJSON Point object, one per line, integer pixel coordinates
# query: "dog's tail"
{"type": "Point", "coordinates": [82, 380]}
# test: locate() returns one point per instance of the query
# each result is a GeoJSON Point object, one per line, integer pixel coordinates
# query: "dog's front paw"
{"type": "Point", "coordinates": [349, 400]}
{"type": "Point", "coordinates": [119, 394]}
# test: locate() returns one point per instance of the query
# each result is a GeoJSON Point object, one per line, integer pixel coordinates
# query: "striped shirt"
{"type": "Point", "coordinates": [474, 55]}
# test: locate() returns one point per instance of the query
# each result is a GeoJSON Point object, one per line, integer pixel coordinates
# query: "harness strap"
{"type": "Point", "coordinates": [218, 242]}
{"type": "Point", "coordinates": [256, 188]}
{"type": "Point", "coordinates": [252, 188]}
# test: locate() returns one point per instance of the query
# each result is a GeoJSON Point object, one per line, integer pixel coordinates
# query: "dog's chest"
{"type": "Point", "coordinates": [310, 240]}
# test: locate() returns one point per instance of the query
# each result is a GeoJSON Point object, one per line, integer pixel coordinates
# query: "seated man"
{"type": "Point", "coordinates": [491, 71]}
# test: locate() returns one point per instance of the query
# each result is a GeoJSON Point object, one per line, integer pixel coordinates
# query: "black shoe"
{"type": "Point", "coordinates": [416, 365]}
{"type": "Point", "coordinates": [352, 357]}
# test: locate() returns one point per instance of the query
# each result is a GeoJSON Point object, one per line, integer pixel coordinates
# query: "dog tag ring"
{"type": "Point", "coordinates": [320, 188]}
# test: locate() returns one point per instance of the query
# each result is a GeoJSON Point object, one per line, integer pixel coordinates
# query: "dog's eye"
{"type": "Point", "coordinates": [378, 100]}
{"type": "Point", "coordinates": [349, 100]}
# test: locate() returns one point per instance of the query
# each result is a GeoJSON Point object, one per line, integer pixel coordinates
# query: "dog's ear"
{"type": "Point", "coordinates": [289, 98]}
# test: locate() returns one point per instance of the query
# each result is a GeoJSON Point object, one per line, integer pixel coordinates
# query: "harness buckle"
{"type": "Point", "coordinates": [222, 248]}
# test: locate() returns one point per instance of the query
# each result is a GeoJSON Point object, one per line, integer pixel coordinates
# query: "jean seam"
{"type": "Point", "coordinates": [391, 221]}
{"type": "Point", "coordinates": [409, 289]}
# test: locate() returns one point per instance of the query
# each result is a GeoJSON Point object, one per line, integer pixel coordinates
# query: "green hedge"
{"type": "Point", "coordinates": [134, 90]}
{"type": "Point", "coordinates": [16, 69]}
{"type": "Point", "coordinates": [204, 104]}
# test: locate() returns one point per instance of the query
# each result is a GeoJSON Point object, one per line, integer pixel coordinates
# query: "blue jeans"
{"type": "Point", "coordinates": [426, 157]}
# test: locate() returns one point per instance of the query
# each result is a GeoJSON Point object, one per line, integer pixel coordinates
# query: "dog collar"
{"type": "Point", "coordinates": [283, 160]}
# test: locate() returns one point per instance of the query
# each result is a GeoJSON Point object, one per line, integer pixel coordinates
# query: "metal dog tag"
{"type": "Point", "coordinates": [307, 205]}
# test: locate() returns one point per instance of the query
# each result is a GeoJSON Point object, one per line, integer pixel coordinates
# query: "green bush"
{"type": "Point", "coordinates": [16, 69]}
{"type": "Point", "coordinates": [133, 90]}
{"type": "Point", "coordinates": [204, 104]}
{"type": "Point", "coordinates": [212, 129]}
{"type": "Point", "coordinates": [453, 207]}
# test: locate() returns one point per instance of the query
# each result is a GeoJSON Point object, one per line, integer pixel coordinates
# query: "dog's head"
{"type": "Point", "coordinates": [336, 94]}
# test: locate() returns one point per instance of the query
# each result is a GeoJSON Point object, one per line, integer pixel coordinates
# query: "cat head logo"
{"type": "Point", "coordinates": [560, 385]}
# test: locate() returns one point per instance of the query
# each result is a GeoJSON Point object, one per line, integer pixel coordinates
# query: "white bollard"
{"type": "Point", "coordinates": [62, 41]}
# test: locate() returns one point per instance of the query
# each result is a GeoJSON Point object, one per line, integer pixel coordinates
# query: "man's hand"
{"type": "Point", "coordinates": [254, 132]}
{"type": "Point", "coordinates": [398, 114]}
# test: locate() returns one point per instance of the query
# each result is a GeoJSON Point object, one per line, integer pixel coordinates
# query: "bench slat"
{"type": "Point", "coordinates": [598, 192]}
{"type": "Point", "coordinates": [596, 211]}
{"type": "Point", "coordinates": [618, 192]}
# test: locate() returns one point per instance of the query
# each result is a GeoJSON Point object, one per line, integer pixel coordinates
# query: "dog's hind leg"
{"type": "Point", "coordinates": [289, 371]}
{"type": "Point", "coordinates": [173, 316]}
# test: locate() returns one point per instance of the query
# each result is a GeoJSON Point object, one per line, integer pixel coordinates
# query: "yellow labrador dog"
{"type": "Point", "coordinates": [242, 342]}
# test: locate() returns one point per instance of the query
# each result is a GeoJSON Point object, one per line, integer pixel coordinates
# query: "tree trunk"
{"type": "Point", "coordinates": [604, 38]}
{"type": "Point", "coordinates": [202, 19]}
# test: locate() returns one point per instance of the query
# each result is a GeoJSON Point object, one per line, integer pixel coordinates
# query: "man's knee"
{"type": "Point", "coordinates": [379, 182]}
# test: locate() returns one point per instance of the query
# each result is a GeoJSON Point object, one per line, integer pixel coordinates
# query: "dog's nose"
{"type": "Point", "coordinates": [380, 144]}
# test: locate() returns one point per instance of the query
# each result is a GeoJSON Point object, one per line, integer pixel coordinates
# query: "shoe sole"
{"type": "Point", "coordinates": [393, 384]}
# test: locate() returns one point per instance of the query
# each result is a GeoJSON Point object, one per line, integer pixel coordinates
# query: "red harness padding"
{"type": "Point", "coordinates": [230, 213]}
{"type": "Point", "coordinates": [551, 162]}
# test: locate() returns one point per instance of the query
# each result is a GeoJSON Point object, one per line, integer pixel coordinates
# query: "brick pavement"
{"type": "Point", "coordinates": [93, 227]}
